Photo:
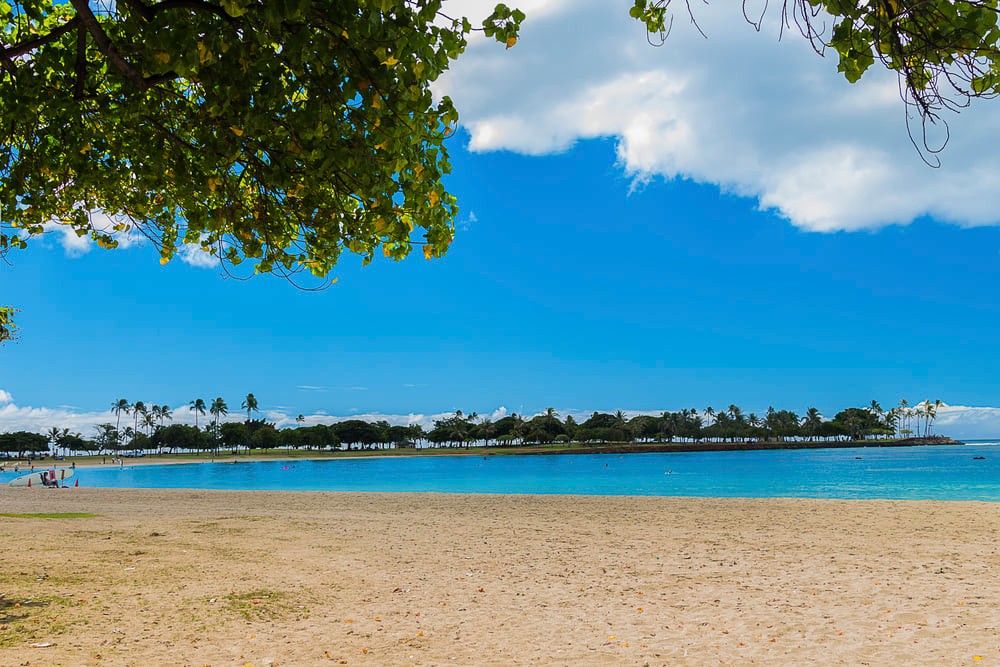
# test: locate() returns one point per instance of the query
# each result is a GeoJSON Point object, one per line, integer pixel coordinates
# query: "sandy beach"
{"type": "Point", "coordinates": [261, 578]}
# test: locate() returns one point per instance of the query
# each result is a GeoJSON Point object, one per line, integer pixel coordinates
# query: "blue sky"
{"type": "Point", "coordinates": [586, 275]}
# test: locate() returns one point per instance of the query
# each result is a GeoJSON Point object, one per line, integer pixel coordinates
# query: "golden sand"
{"type": "Point", "coordinates": [261, 578]}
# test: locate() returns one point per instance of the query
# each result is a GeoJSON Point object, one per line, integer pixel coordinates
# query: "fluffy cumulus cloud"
{"type": "Point", "coordinates": [965, 422]}
{"type": "Point", "coordinates": [753, 115]}
{"type": "Point", "coordinates": [38, 420]}
{"type": "Point", "coordinates": [15, 417]}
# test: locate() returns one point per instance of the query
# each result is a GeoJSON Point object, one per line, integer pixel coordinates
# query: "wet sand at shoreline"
{"type": "Point", "coordinates": [174, 577]}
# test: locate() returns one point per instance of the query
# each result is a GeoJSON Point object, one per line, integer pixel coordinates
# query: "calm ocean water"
{"type": "Point", "coordinates": [940, 473]}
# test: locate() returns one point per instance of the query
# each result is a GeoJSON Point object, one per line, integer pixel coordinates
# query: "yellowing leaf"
{"type": "Point", "coordinates": [386, 251]}
{"type": "Point", "coordinates": [213, 183]}
{"type": "Point", "coordinates": [344, 34]}
{"type": "Point", "coordinates": [161, 57]}
{"type": "Point", "coordinates": [235, 130]}
{"type": "Point", "coordinates": [428, 251]}
{"type": "Point", "coordinates": [204, 55]}
{"type": "Point", "coordinates": [433, 198]}
{"type": "Point", "coordinates": [390, 61]}
{"type": "Point", "coordinates": [511, 41]}
{"type": "Point", "coordinates": [164, 260]}
{"type": "Point", "coordinates": [85, 148]}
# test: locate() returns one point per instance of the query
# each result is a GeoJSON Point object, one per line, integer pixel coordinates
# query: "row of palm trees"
{"type": "Point", "coordinates": [903, 416]}
{"type": "Point", "coordinates": [153, 416]}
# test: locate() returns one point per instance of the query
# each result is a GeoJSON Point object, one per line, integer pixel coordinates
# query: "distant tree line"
{"type": "Point", "coordinates": [149, 432]}
{"type": "Point", "coordinates": [729, 425]}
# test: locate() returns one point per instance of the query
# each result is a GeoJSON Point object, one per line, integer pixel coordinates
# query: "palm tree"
{"type": "Point", "coordinates": [519, 427]}
{"type": "Point", "coordinates": [165, 414]}
{"type": "Point", "coordinates": [129, 434]}
{"type": "Point", "coordinates": [197, 406]}
{"type": "Point", "coordinates": [250, 405]}
{"type": "Point", "coordinates": [53, 436]}
{"type": "Point", "coordinates": [218, 409]}
{"type": "Point", "coordinates": [149, 421]}
{"type": "Point", "coordinates": [919, 411]}
{"type": "Point", "coordinates": [933, 409]}
{"type": "Point", "coordinates": [118, 407]}
{"type": "Point", "coordinates": [811, 421]}
{"type": "Point", "coordinates": [138, 409]}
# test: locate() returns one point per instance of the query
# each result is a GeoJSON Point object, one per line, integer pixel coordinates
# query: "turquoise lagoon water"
{"type": "Point", "coordinates": [941, 473]}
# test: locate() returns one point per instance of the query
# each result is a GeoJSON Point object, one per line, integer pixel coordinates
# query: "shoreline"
{"type": "Point", "coordinates": [525, 450]}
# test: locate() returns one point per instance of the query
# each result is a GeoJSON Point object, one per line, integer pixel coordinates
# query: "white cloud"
{"type": "Point", "coordinates": [5, 397]}
{"type": "Point", "coordinates": [965, 422]}
{"type": "Point", "coordinates": [754, 116]}
{"type": "Point", "coordinates": [73, 245]}
{"type": "Point", "coordinates": [195, 256]}
{"type": "Point", "coordinates": [39, 420]}
{"type": "Point", "coordinates": [77, 246]}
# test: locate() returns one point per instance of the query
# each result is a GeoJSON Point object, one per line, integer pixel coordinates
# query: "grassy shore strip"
{"type": "Point", "coordinates": [550, 449]}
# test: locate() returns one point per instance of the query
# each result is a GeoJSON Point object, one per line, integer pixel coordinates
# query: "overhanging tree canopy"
{"type": "Point", "coordinates": [279, 132]}
{"type": "Point", "coordinates": [945, 51]}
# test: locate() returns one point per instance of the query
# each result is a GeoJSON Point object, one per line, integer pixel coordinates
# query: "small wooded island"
{"type": "Point", "coordinates": [687, 430]}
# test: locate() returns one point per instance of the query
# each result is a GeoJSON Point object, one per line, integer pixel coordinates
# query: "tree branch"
{"type": "Point", "coordinates": [105, 46]}
{"type": "Point", "coordinates": [81, 64]}
{"type": "Point", "coordinates": [24, 48]}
